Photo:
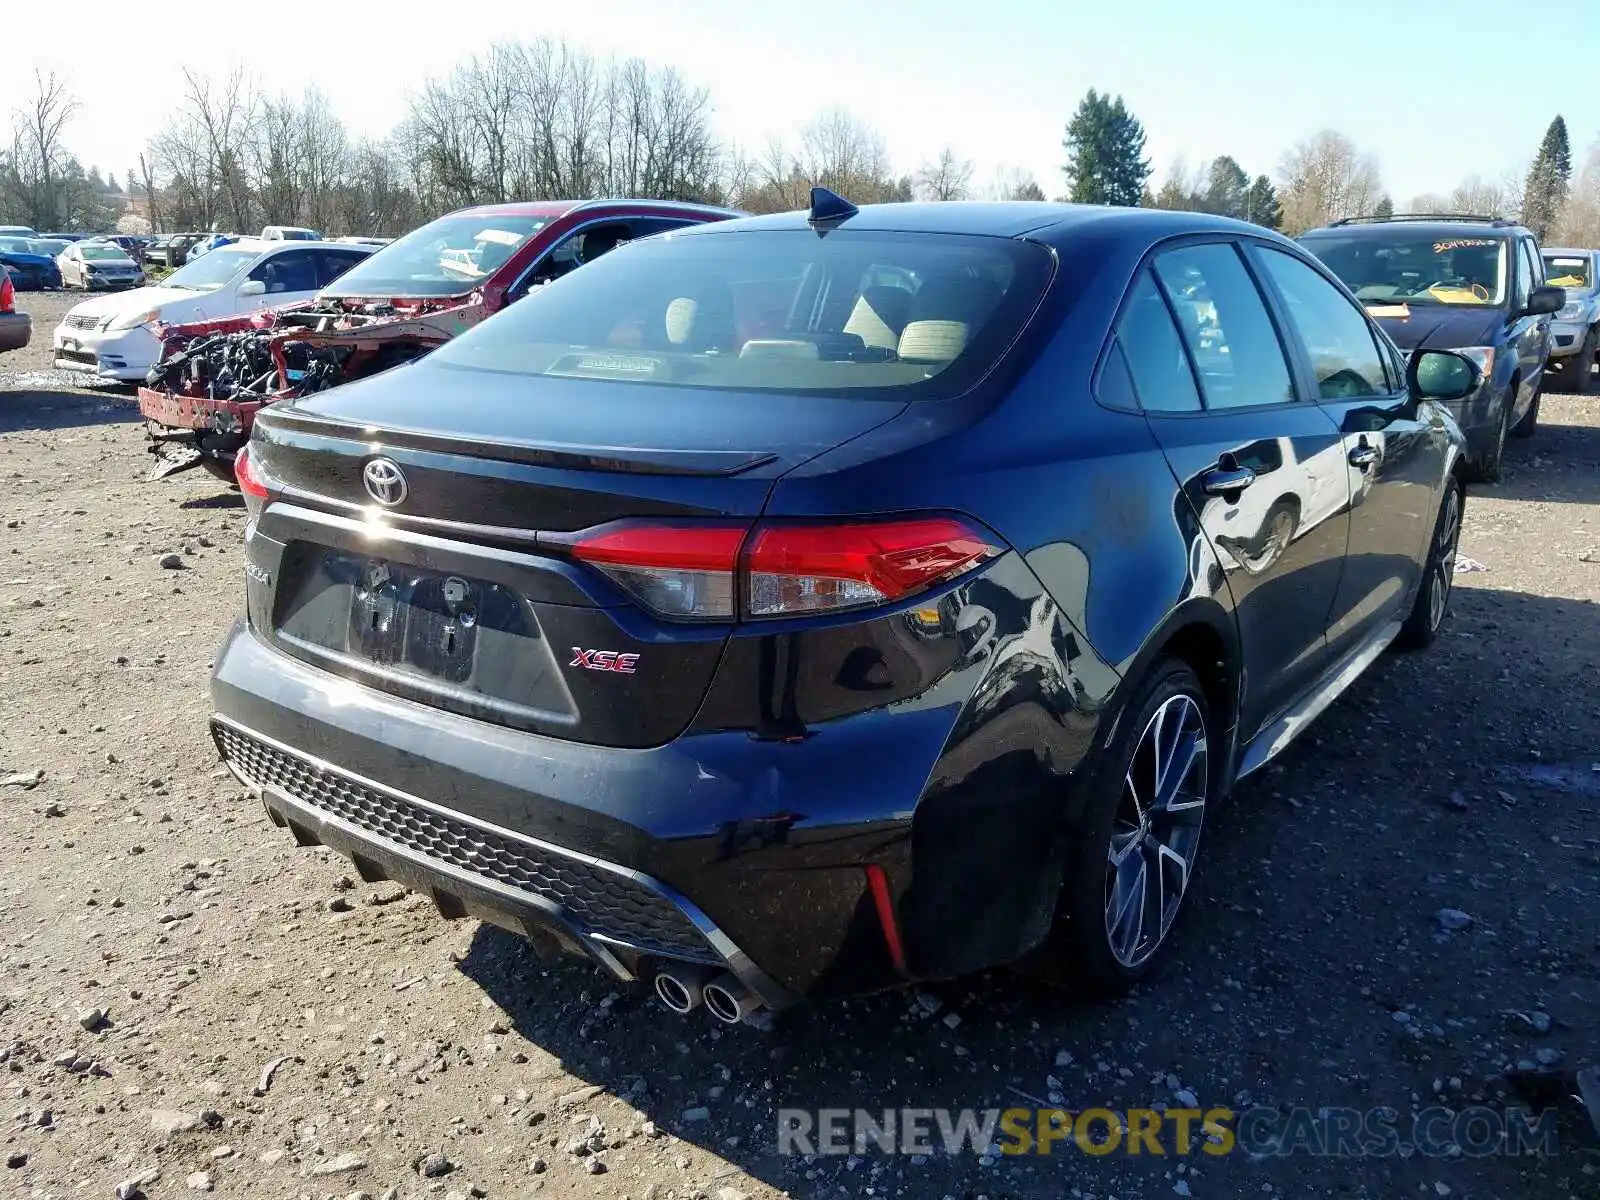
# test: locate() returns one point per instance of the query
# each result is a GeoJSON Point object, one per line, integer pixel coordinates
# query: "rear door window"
{"type": "Point", "coordinates": [1225, 324]}
{"type": "Point", "coordinates": [1153, 351]}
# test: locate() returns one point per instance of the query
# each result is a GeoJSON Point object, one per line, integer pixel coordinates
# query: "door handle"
{"type": "Point", "coordinates": [1227, 478]}
{"type": "Point", "coordinates": [1364, 456]}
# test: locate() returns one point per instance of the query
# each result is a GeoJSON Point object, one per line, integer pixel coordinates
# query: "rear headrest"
{"type": "Point", "coordinates": [701, 321]}
{"type": "Point", "coordinates": [933, 341]}
{"type": "Point", "coordinates": [955, 298]}
{"type": "Point", "coordinates": [880, 315]}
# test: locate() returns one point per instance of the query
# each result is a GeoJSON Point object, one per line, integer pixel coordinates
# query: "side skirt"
{"type": "Point", "coordinates": [1272, 739]}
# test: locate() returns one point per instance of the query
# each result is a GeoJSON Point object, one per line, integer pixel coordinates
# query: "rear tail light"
{"type": "Point", "coordinates": [716, 572]}
{"type": "Point", "coordinates": [8, 292]}
{"type": "Point", "coordinates": [685, 571]}
{"type": "Point", "coordinates": [252, 482]}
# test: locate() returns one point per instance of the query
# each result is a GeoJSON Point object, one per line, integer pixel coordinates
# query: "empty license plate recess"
{"type": "Point", "coordinates": [450, 635]}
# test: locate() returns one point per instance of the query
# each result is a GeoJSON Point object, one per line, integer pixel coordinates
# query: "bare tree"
{"type": "Point", "coordinates": [945, 178]}
{"type": "Point", "coordinates": [1324, 178]}
{"type": "Point", "coordinates": [1014, 183]}
{"type": "Point", "coordinates": [38, 165]}
{"type": "Point", "coordinates": [1479, 196]}
{"type": "Point", "coordinates": [1579, 222]}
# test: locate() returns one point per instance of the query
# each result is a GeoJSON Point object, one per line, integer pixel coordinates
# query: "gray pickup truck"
{"type": "Point", "coordinates": [1575, 330]}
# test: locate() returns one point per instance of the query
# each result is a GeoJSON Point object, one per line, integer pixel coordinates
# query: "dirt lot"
{"type": "Point", "coordinates": [1315, 970]}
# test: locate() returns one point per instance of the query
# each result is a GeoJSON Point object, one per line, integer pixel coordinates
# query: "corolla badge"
{"type": "Point", "coordinates": [385, 482]}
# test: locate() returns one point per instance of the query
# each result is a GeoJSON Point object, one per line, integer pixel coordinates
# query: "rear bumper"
{"type": "Point", "coordinates": [16, 329]}
{"type": "Point", "coordinates": [687, 851]}
{"type": "Point", "coordinates": [619, 917]}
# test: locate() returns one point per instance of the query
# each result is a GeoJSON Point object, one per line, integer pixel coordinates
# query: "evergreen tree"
{"type": "Point", "coordinates": [1385, 207]}
{"type": "Point", "coordinates": [1549, 179]}
{"type": "Point", "coordinates": [1227, 187]}
{"type": "Point", "coordinates": [1261, 204]}
{"type": "Point", "coordinates": [1105, 153]}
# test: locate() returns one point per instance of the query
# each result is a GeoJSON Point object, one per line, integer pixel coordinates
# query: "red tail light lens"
{"type": "Point", "coordinates": [684, 571]}
{"type": "Point", "coordinates": [8, 292]}
{"type": "Point", "coordinates": [796, 569]}
{"type": "Point", "coordinates": [251, 482]}
{"type": "Point", "coordinates": [706, 571]}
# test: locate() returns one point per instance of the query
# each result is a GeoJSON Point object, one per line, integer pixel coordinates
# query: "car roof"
{"type": "Point", "coordinates": [1442, 226]}
{"type": "Point", "coordinates": [1007, 219]}
{"type": "Point", "coordinates": [1570, 252]}
{"type": "Point", "coordinates": [551, 209]}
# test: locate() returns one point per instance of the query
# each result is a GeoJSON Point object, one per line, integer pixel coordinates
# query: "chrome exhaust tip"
{"type": "Point", "coordinates": [729, 1000]}
{"type": "Point", "coordinates": [681, 988]}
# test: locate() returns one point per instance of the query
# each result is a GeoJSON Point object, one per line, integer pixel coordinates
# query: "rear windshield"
{"type": "Point", "coordinates": [446, 257]}
{"type": "Point", "coordinates": [774, 310]}
{"type": "Point", "coordinates": [1567, 271]}
{"type": "Point", "coordinates": [1412, 268]}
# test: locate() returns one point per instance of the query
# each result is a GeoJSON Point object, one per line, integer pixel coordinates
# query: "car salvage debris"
{"type": "Point", "coordinates": [26, 780]}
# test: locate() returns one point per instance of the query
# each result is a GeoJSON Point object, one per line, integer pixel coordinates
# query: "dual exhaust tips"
{"type": "Point", "coordinates": [683, 987]}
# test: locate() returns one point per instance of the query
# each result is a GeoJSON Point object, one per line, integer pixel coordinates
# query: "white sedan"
{"type": "Point", "coordinates": [92, 265]}
{"type": "Point", "coordinates": [113, 337]}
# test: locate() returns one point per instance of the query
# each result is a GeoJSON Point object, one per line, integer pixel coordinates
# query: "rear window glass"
{"type": "Point", "coordinates": [782, 310]}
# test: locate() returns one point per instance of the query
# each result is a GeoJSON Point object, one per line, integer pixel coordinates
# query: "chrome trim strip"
{"type": "Point", "coordinates": [735, 959]}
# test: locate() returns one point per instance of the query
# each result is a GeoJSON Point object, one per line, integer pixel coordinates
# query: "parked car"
{"type": "Point", "coordinates": [30, 269]}
{"type": "Point", "coordinates": [211, 242]}
{"type": "Point", "coordinates": [116, 337]}
{"type": "Point", "coordinates": [289, 233]}
{"type": "Point", "coordinates": [412, 295]}
{"type": "Point", "coordinates": [98, 266]}
{"type": "Point", "coordinates": [1575, 332]}
{"type": "Point", "coordinates": [52, 247]}
{"type": "Point", "coordinates": [1474, 284]}
{"type": "Point", "coordinates": [65, 236]}
{"type": "Point", "coordinates": [21, 231]}
{"type": "Point", "coordinates": [155, 249]}
{"type": "Point", "coordinates": [769, 631]}
{"type": "Point", "coordinates": [127, 243]}
{"type": "Point", "coordinates": [16, 328]}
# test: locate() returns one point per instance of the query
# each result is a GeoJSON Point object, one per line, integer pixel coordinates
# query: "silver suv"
{"type": "Point", "coordinates": [1575, 331]}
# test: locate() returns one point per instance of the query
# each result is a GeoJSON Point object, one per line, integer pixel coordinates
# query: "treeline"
{"type": "Point", "coordinates": [546, 120]}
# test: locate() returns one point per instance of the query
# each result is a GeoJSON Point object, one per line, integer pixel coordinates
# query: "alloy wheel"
{"type": "Point", "coordinates": [1156, 830]}
{"type": "Point", "coordinates": [1444, 558]}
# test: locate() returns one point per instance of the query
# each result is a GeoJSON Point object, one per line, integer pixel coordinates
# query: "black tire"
{"type": "Point", "coordinates": [1582, 368]}
{"type": "Point", "coordinates": [1487, 467]}
{"type": "Point", "coordinates": [1432, 603]}
{"type": "Point", "coordinates": [1529, 424]}
{"type": "Point", "coordinates": [1080, 955]}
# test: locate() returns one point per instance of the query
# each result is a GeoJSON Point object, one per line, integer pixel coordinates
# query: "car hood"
{"type": "Point", "coordinates": [26, 260]}
{"type": "Point", "coordinates": [1440, 327]}
{"type": "Point", "coordinates": [136, 300]}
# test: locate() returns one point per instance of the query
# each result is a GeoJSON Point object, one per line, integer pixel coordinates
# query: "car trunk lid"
{"type": "Point", "coordinates": [446, 574]}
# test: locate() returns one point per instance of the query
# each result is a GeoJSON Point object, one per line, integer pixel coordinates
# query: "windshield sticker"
{"type": "Point", "coordinates": [1402, 311]}
{"type": "Point", "coordinates": [1565, 262]}
{"type": "Point", "coordinates": [1460, 243]}
{"type": "Point", "coordinates": [500, 236]}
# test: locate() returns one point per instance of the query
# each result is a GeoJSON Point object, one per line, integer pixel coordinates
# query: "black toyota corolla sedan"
{"type": "Point", "coordinates": [801, 605]}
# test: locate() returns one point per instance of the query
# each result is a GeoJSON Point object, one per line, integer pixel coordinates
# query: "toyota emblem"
{"type": "Point", "coordinates": [386, 483]}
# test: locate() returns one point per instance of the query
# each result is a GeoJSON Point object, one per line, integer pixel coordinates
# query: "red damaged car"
{"type": "Point", "coordinates": [416, 293]}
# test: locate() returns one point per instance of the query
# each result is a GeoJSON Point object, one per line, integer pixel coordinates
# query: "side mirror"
{"type": "Point", "coordinates": [252, 287]}
{"type": "Point", "coordinates": [1546, 300]}
{"type": "Point", "coordinates": [1442, 374]}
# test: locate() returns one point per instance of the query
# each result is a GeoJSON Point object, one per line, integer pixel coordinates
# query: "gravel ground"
{"type": "Point", "coordinates": [151, 901]}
